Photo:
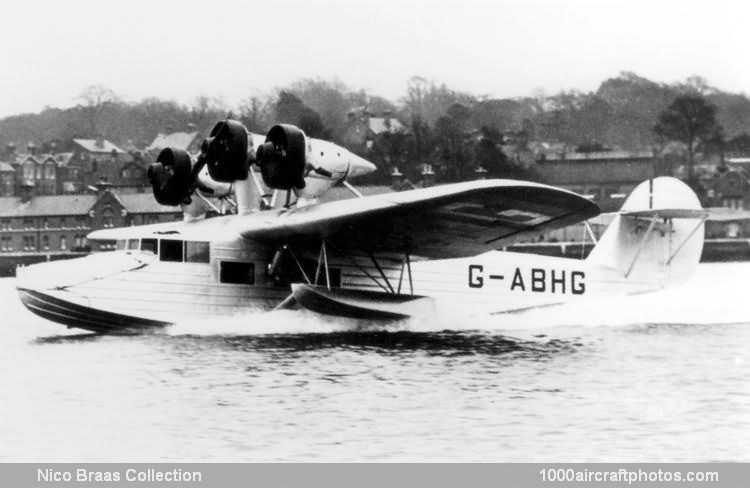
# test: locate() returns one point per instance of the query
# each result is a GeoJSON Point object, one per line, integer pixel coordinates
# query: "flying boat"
{"type": "Point", "coordinates": [380, 257]}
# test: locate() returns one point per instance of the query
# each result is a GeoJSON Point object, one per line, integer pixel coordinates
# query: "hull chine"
{"type": "Point", "coordinates": [82, 317]}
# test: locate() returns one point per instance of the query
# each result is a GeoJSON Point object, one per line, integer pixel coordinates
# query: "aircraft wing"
{"type": "Point", "coordinates": [456, 220]}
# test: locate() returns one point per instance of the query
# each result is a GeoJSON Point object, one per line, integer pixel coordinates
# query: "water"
{"type": "Point", "coordinates": [662, 377]}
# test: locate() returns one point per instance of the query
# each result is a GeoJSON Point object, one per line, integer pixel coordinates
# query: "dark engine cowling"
{"type": "Point", "coordinates": [225, 152]}
{"type": "Point", "coordinates": [171, 177]}
{"type": "Point", "coordinates": [282, 158]}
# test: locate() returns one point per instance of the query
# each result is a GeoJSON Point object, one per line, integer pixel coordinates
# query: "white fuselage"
{"type": "Point", "coordinates": [233, 278]}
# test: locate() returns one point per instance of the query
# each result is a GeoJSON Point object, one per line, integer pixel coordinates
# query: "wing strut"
{"type": "Point", "coordinates": [302, 270]}
{"type": "Point", "coordinates": [352, 189]}
{"type": "Point", "coordinates": [265, 201]}
{"type": "Point", "coordinates": [382, 274]}
{"type": "Point", "coordinates": [641, 245]}
{"type": "Point", "coordinates": [692, 232]}
{"type": "Point", "coordinates": [323, 259]}
{"type": "Point", "coordinates": [360, 267]}
{"type": "Point", "coordinates": [406, 263]}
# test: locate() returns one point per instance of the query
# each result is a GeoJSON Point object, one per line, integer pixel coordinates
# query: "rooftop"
{"type": "Point", "coordinates": [47, 205]}
{"type": "Point", "coordinates": [105, 146]}
{"type": "Point", "coordinates": [138, 203]}
{"type": "Point", "coordinates": [58, 205]}
{"type": "Point", "coordinates": [599, 155]}
{"type": "Point", "coordinates": [180, 140]}
{"type": "Point", "coordinates": [378, 125]}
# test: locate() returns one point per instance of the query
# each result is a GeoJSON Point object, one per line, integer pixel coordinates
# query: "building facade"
{"type": "Point", "coordinates": [606, 177]}
{"type": "Point", "coordinates": [50, 225]}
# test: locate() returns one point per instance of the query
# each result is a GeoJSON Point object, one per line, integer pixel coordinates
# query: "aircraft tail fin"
{"type": "Point", "coordinates": [657, 236]}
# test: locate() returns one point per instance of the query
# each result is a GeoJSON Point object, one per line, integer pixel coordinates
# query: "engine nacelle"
{"type": "Point", "coordinates": [225, 152]}
{"type": "Point", "coordinates": [171, 177]}
{"type": "Point", "coordinates": [282, 158]}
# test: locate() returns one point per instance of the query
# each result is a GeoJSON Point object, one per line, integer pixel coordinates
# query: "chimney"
{"type": "Point", "coordinates": [101, 187]}
{"type": "Point", "coordinates": [27, 192]}
{"type": "Point", "coordinates": [480, 173]}
{"type": "Point", "coordinates": [428, 176]}
{"type": "Point", "coordinates": [396, 178]}
{"type": "Point", "coordinates": [99, 142]}
{"type": "Point", "coordinates": [31, 147]}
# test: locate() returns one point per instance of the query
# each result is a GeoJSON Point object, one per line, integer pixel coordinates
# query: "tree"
{"type": "Point", "coordinates": [290, 110]}
{"type": "Point", "coordinates": [96, 98]}
{"type": "Point", "coordinates": [254, 114]}
{"type": "Point", "coordinates": [689, 119]}
{"type": "Point", "coordinates": [488, 154]}
{"type": "Point", "coordinates": [452, 135]}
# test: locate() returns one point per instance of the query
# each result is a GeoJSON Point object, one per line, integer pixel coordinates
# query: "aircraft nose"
{"type": "Point", "coordinates": [359, 166]}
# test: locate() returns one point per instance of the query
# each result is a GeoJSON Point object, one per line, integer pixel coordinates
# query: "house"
{"type": "Point", "coordinates": [364, 129]}
{"type": "Point", "coordinates": [99, 160]}
{"type": "Point", "coordinates": [68, 174]}
{"type": "Point", "coordinates": [187, 141]}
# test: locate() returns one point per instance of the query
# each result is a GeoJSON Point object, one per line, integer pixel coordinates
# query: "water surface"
{"type": "Point", "coordinates": [663, 377]}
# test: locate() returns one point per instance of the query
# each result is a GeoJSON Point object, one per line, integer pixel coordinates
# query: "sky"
{"type": "Point", "coordinates": [51, 50]}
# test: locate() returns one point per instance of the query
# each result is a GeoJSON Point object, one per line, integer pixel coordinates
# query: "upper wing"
{"type": "Point", "coordinates": [456, 220]}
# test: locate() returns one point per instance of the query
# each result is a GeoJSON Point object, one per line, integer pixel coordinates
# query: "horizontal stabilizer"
{"type": "Point", "coordinates": [668, 213]}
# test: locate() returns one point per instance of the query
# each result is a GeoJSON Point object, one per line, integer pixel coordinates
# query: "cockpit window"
{"type": "Point", "coordinates": [149, 245]}
{"type": "Point", "coordinates": [170, 251]}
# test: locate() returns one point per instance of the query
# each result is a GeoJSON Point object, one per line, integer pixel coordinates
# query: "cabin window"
{"type": "Point", "coordinates": [197, 252]}
{"type": "Point", "coordinates": [170, 251]}
{"type": "Point", "coordinates": [149, 245]}
{"type": "Point", "coordinates": [45, 242]}
{"type": "Point", "coordinates": [236, 273]}
{"type": "Point", "coordinates": [63, 243]}
{"type": "Point", "coordinates": [132, 244]}
{"type": "Point", "coordinates": [121, 244]}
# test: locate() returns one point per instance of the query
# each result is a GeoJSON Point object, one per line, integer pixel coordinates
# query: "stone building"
{"type": "Point", "coordinates": [99, 160]}
{"type": "Point", "coordinates": [607, 177]}
{"type": "Point", "coordinates": [58, 224]}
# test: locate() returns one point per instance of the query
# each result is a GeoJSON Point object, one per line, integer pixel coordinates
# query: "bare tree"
{"type": "Point", "coordinates": [96, 99]}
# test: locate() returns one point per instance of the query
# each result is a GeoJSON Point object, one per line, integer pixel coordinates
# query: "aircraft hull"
{"type": "Point", "coordinates": [74, 315]}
